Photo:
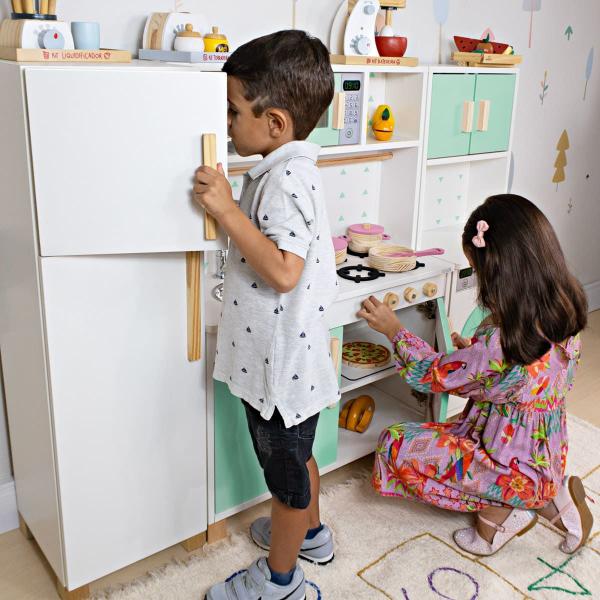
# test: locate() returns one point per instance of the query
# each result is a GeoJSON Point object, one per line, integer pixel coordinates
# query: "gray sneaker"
{"type": "Point", "coordinates": [255, 584]}
{"type": "Point", "coordinates": [319, 550]}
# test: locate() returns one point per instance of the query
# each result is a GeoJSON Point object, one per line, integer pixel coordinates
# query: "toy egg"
{"type": "Point", "coordinates": [189, 40]}
{"type": "Point", "coordinates": [215, 41]}
{"type": "Point", "coordinates": [383, 123]}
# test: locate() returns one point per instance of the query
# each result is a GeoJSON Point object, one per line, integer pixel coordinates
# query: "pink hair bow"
{"type": "Point", "coordinates": [478, 240]}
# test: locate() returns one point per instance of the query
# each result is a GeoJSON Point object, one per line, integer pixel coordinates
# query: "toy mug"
{"type": "Point", "coordinates": [86, 35]}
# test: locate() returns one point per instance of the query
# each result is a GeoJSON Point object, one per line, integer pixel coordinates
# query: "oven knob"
{"type": "Point", "coordinates": [392, 300]}
{"type": "Point", "coordinates": [361, 45]}
{"type": "Point", "coordinates": [430, 290]}
{"type": "Point", "coordinates": [51, 39]}
{"type": "Point", "coordinates": [410, 294]}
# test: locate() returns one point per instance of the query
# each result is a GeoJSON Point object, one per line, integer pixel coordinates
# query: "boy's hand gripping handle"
{"type": "Point", "coordinates": [209, 159]}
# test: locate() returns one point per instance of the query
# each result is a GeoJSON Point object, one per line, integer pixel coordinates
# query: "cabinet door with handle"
{"type": "Point", "coordinates": [451, 114]}
{"type": "Point", "coordinates": [114, 151]}
{"type": "Point", "coordinates": [494, 96]}
{"type": "Point", "coordinates": [129, 409]}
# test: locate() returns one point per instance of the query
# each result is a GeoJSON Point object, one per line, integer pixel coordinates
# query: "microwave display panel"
{"type": "Point", "coordinates": [352, 85]}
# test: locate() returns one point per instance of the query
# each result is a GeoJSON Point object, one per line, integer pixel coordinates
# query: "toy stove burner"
{"type": "Point", "coordinates": [370, 273]}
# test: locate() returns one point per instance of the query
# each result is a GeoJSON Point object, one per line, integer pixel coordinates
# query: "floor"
{"type": "Point", "coordinates": [25, 575]}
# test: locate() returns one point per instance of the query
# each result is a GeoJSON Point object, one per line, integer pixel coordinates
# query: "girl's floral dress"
{"type": "Point", "coordinates": [510, 445]}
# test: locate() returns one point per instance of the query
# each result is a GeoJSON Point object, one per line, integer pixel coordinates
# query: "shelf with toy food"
{"type": "Point", "coordinates": [389, 409]}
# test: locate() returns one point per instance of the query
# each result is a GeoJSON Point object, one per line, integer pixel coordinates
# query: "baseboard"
{"type": "Point", "coordinates": [593, 295]}
{"type": "Point", "coordinates": [9, 518]}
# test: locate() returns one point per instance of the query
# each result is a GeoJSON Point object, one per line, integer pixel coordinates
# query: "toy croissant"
{"type": "Point", "coordinates": [357, 414]}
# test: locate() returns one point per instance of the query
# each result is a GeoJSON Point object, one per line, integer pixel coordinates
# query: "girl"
{"type": "Point", "coordinates": [505, 457]}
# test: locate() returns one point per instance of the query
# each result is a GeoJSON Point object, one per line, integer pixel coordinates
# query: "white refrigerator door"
{"type": "Point", "coordinates": [129, 409]}
{"type": "Point", "coordinates": [114, 154]}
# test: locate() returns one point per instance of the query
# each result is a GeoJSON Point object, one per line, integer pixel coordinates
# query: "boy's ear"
{"type": "Point", "coordinates": [279, 122]}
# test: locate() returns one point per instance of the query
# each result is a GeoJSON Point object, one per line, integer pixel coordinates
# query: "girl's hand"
{"type": "Point", "coordinates": [460, 342]}
{"type": "Point", "coordinates": [212, 191]}
{"type": "Point", "coordinates": [380, 317]}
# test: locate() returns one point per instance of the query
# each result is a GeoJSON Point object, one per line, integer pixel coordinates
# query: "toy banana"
{"type": "Point", "coordinates": [357, 414]}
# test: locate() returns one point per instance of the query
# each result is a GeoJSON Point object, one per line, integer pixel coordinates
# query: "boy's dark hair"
{"type": "Point", "coordinates": [523, 278]}
{"type": "Point", "coordinates": [288, 70]}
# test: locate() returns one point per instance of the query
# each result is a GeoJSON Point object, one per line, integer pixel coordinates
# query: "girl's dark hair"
{"type": "Point", "coordinates": [523, 278]}
{"type": "Point", "coordinates": [288, 69]}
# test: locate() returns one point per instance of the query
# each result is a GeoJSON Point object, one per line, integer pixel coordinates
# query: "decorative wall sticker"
{"type": "Point", "coordinates": [588, 70]}
{"type": "Point", "coordinates": [366, 193]}
{"type": "Point", "coordinates": [367, 170]}
{"type": "Point", "coordinates": [561, 160]}
{"type": "Point", "coordinates": [440, 179]}
{"type": "Point", "coordinates": [569, 33]}
{"type": "Point", "coordinates": [439, 200]}
{"type": "Point", "coordinates": [488, 33]}
{"type": "Point", "coordinates": [364, 215]}
{"type": "Point", "coordinates": [545, 85]}
{"type": "Point", "coordinates": [342, 195]}
{"type": "Point", "coordinates": [570, 205]}
{"type": "Point", "coordinates": [536, 585]}
{"type": "Point", "coordinates": [441, 8]}
{"type": "Point", "coordinates": [511, 172]}
{"type": "Point", "coordinates": [341, 219]}
{"type": "Point", "coordinates": [531, 6]}
{"type": "Point", "coordinates": [343, 172]}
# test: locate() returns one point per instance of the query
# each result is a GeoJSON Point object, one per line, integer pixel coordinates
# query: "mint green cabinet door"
{"type": "Point", "coordinates": [493, 113]}
{"type": "Point", "coordinates": [238, 476]}
{"type": "Point", "coordinates": [448, 96]}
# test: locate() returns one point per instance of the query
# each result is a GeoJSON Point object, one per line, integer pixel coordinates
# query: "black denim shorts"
{"type": "Point", "coordinates": [283, 454]}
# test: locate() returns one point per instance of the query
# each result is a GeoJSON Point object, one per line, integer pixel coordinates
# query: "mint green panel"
{"type": "Point", "coordinates": [448, 94]}
{"type": "Point", "coordinates": [238, 476]}
{"type": "Point", "coordinates": [499, 90]}
{"type": "Point", "coordinates": [442, 316]}
{"type": "Point", "coordinates": [323, 134]}
{"type": "Point", "coordinates": [473, 322]}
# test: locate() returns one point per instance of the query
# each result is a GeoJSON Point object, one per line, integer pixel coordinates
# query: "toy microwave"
{"type": "Point", "coordinates": [341, 122]}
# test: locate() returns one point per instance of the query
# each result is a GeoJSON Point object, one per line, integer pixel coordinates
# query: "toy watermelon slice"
{"type": "Point", "coordinates": [465, 44]}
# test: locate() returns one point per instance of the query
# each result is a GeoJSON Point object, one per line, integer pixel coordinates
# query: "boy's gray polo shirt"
{"type": "Point", "coordinates": [273, 349]}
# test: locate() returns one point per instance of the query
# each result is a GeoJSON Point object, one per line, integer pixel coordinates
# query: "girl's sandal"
{"type": "Point", "coordinates": [573, 511]}
{"type": "Point", "coordinates": [518, 523]}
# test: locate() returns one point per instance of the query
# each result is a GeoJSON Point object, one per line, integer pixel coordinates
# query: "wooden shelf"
{"type": "Point", "coordinates": [450, 160]}
{"type": "Point", "coordinates": [388, 410]}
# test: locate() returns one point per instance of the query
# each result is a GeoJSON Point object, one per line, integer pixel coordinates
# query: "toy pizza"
{"type": "Point", "coordinates": [365, 355]}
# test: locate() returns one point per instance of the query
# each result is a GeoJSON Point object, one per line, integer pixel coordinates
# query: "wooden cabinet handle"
{"type": "Point", "coordinates": [339, 110]}
{"type": "Point", "coordinates": [483, 120]}
{"type": "Point", "coordinates": [209, 159]}
{"type": "Point", "coordinates": [467, 116]}
{"type": "Point", "coordinates": [194, 317]}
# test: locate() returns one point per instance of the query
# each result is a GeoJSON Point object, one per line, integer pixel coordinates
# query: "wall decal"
{"type": "Point", "coordinates": [441, 9]}
{"type": "Point", "coordinates": [561, 160]}
{"type": "Point", "coordinates": [569, 33]}
{"type": "Point", "coordinates": [570, 205]}
{"type": "Point", "coordinates": [531, 6]}
{"type": "Point", "coordinates": [545, 85]}
{"type": "Point", "coordinates": [588, 70]}
{"type": "Point", "coordinates": [488, 33]}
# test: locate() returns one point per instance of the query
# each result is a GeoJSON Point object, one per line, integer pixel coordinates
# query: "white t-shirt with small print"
{"type": "Point", "coordinates": [273, 350]}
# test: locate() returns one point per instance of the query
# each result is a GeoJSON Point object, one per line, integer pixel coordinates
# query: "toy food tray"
{"type": "Point", "coordinates": [52, 56]}
{"type": "Point", "coordinates": [479, 59]}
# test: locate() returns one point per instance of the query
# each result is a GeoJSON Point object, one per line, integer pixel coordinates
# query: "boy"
{"type": "Point", "coordinates": [273, 343]}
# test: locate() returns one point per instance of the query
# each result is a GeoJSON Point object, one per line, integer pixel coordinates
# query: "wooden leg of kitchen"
{"type": "Point", "coordinates": [194, 543]}
{"type": "Point", "coordinates": [217, 531]}
{"type": "Point", "coordinates": [24, 529]}
{"type": "Point", "coordinates": [82, 593]}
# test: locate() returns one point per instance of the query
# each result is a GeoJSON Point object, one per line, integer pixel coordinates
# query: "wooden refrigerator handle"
{"type": "Point", "coordinates": [194, 319]}
{"type": "Point", "coordinates": [209, 159]}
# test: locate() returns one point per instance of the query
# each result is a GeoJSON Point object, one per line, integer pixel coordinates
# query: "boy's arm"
{"type": "Point", "coordinates": [279, 269]}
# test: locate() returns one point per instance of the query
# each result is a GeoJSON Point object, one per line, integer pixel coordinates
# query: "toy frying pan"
{"type": "Point", "coordinates": [397, 259]}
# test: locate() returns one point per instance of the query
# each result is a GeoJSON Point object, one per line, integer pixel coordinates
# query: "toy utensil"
{"type": "Point", "coordinates": [51, 7]}
{"type": "Point", "coordinates": [428, 252]}
{"type": "Point", "coordinates": [17, 6]}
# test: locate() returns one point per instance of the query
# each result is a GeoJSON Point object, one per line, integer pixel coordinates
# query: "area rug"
{"type": "Point", "coordinates": [388, 548]}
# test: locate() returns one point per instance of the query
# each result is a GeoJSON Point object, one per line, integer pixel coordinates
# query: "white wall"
{"type": "Point", "coordinates": [573, 206]}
